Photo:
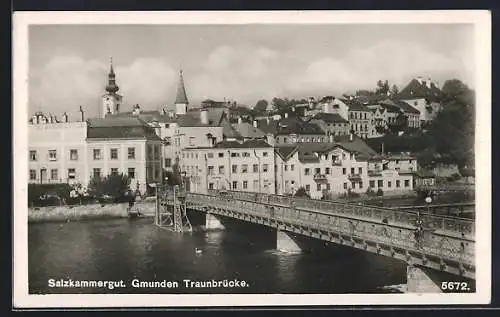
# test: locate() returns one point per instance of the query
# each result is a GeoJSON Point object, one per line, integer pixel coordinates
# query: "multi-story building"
{"type": "Point", "coordinates": [57, 149]}
{"type": "Point", "coordinates": [423, 95]}
{"type": "Point", "coordinates": [124, 145]}
{"type": "Point", "coordinates": [347, 165]}
{"type": "Point", "coordinates": [331, 123]}
{"type": "Point", "coordinates": [290, 130]}
{"type": "Point", "coordinates": [360, 119]}
{"type": "Point", "coordinates": [230, 165]}
{"type": "Point", "coordinates": [248, 131]}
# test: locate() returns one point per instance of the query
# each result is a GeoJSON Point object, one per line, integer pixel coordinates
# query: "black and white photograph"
{"type": "Point", "coordinates": [262, 158]}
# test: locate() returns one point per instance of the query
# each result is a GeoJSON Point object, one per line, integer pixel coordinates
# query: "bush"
{"type": "Point", "coordinates": [454, 177]}
{"type": "Point", "coordinates": [54, 194]}
{"type": "Point", "coordinates": [380, 192]}
{"type": "Point", "coordinates": [370, 192]}
{"type": "Point", "coordinates": [301, 193]}
{"type": "Point", "coordinates": [352, 194]}
{"type": "Point", "coordinates": [114, 186]}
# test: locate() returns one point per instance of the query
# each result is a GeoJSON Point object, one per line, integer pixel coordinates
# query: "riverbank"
{"type": "Point", "coordinates": [86, 212]}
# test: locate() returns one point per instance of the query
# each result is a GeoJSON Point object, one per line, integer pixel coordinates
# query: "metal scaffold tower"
{"type": "Point", "coordinates": [171, 212]}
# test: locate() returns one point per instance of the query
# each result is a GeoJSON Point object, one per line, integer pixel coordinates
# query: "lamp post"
{"type": "Point", "coordinates": [184, 179]}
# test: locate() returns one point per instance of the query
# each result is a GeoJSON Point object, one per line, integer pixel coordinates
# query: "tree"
{"type": "Point", "coordinates": [301, 193]}
{"type": "Point", "coordinates": [261, 106]}
{"type": "Point", "coordinates": [114, 185]}
{"type": "Point", "coordinates": [382, 87]}
{"type": "Point", "coordinates": [454, 89]}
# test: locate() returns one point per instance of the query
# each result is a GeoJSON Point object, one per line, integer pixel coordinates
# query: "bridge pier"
{"type": "Point", "coordinates": [213, 223]}
{"type": "Point", "coordinates": [286, 243]}
{"type": "Point", "coordinates": [418, 280]}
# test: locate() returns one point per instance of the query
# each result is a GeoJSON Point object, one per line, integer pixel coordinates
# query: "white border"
{"type": "Point", "coordinates": [482, 22]}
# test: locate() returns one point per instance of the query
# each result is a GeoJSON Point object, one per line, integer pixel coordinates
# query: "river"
{"type": "Point", "coordinates": [123, 249]}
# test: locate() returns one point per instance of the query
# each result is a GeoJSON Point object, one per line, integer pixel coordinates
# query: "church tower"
{"type": "Point", "coordinates": [181, 101]}
{"type": "Point", "coordinates": [111, 101]}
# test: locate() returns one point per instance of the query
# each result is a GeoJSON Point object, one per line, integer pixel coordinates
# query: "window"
{"type": "Point", "coordinates": [97, 172]}
{"type": "Point", "coordinates": [264, 154]}
{"type": "Point", "coordinates": [307, 171]}
{"type": "Point", "coordinates": [360, 170]}
{"type": "Point", "coordinates": [407, 183]}
{"type": "Point", "coordinates": [345, 185]}
{"type": "Point", "coordinates": [285, 140]}
{"type": "Point", "coordinates": [327, 171]}
{"type": "Point", "coordinates": [114, 154]}
{"type": "Point", "coordinates": [246, 154]}
{"type": "Point", "coordinates": [221, 169]}
{"type": "Point", "coordinates": [150, 152]}
{"type": "Point", "coordinates": [168, 162]}
{"type": "Point", "coordinates": [52, 155]}
{"type": "Point", "coordinates": [114, 171]}
{"type": "Point", "coordinates": [308, 188]}
{"type": "Point", "coordinates": [292, 167]}
{"type": "Point", "coordinates": [286, 167]}
{"type": "Point", "coordinates": [389, 184]}
{"type": "Point", "coordinates": [372, 184]}
{"type": "Point", "coordinates": [344, 171]}
{"type": "Point", "coordinates": [210, 170]}
{"type": "Point", "coordinates": [360, 185]}
{"type": "Point", "coordinates": [265, 167]}
{"type": "Point", "coordinates": [192, 141]}
{"type": "Point", "coordinates": [318, 187]}
{"type": "Point", "coordinates": [210, 185]}
{"type": "Point", "coordinates": [53, 174]}
{"type": "Point", "coordinates": [32, 174]}
{"type": "Point", "coordinates": [398, 183]}
{"type": "Point", "coordinates": [244, 168]}
{"type": "Point", "coordinates": [353, 185]}
{"type": "Point", "coordinates": [328, 186]}
{"type": "Point", "coordinates": [233, 154]}
{"type": "Point", "coordinates": [157, 153]}
{"type": "Point", "coordinates": [221, 154]}
{"type": "Point", "coordinates": [380, 183]}
{"type": "Point", "coordinates": [255, 184]}
{"type": "Point", "coordinates": [131, 153]}
{"type": "Point", "coordinates": [210, 155]}
{"type": "Point", "coordinates": [352, 170]}
{"type": "Point", "coordinates": [245, 184]}
{"type": "Point", "coordinates": [410, 161]}
{"type": "Point", "coordinates": [343, 156]}
{"type": "Point", "coordinates": [97, 154]}
{"type": "Point", "coordinates": [131, 172]}
{"type": "Point", "coordinates": [73, 155]}
{"type": "Point", "coordinates": [351, 156]}
{"type": "Point", "coordinates": [411, 169]}
{"type": "Point", "coordinates": [317, 171]}
{"type": "Point", "coordinates": [71, 173]}
{"type": "Point", "coordinates": [33, 155]}
{"type": "Point", "coordinates": [255, 168]}
{"type": "Point", "coordinates": [234, 168]}
{"type": "Point", "coordinates": [235, 185]}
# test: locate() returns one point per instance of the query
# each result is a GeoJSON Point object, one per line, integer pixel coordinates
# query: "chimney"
{"type": "Point", "coordinates": [82, 114]}
{"type": "Point", "coordinates": [204, 116]}
{"type": "Point", "coordinates": [255, 123]}
{"type": "Point", "coordinates": [268, 120]}
{"type": "Point", "coordinates": [240, 121]}
{"type": "Point", "coordinates": [286, 115]}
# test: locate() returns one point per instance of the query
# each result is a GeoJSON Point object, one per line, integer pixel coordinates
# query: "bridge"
{"type": "Point", "coordinates": [424, 241]}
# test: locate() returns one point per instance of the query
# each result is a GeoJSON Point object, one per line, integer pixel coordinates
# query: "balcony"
{"type": "Point", "coordinates": [337, 163]}
{"type": "Point", "coordinates": [375, 172]}
{"type": "Point", "coordinates": [354, 177]}
{"type": "Point", "coordinates": [320, 177]}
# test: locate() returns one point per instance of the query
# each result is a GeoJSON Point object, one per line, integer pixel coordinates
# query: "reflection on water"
{"type": "Point", "coordinates": [123, 250]}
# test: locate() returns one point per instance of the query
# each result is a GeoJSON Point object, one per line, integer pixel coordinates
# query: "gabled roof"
{"type": "Point", "coordinates": [120, 128]}
{"type": "Point", "coordinates": [181, 97]}
{"type": "Point", "coordinates": [246, 130]}
{"type": "Point", "coordinates": [330, 118]}
{"type": "Point", "coordinates": [355, 106]}
{"type": "Point", "coordinates": [246, 144]}
{"type": "Point", "coordinates": [417, 89]}
{"type": "Point", "coordinates": [193, 118]}
{"type": "Point", "coordinates": [405, 107]}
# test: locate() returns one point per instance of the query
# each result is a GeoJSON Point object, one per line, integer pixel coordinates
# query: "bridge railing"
{"type": "Point", "coordinates": [454, 225]}
{"type": "Point", "coordinates": [440, 244]}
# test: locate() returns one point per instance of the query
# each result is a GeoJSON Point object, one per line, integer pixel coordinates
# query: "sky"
{"type": "Point", "coordinates": [68, 64]}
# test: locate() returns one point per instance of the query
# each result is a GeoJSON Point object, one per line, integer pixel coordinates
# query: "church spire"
{"type": "Point", "coordinates": [111, 88]}
{"type": "Point", "coordinates": [181, 97]}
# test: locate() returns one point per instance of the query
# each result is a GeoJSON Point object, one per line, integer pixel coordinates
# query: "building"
{"type": "Point", "coordinates": [57, 149]}
{"type": "Point", "coordinates": [325, 169]}
{"type": "Point", "coordinates": [124, 145]}
{"type": "Point", "coordinates": [230, 165]}
{"type": "Point", "coordinates": [290, 130]}
{"type": "Point", "coordinates": [360, 118]}
{"type": "Point", "coordinates": [111, 100]}
{"type": "Point", "coordinates": [423, 95]}
{"type": "Point", "coordinates": [411, 113]}
{"type": "Point", "coordinates": [249, 131]}
{"type": "Point", "coordinates": [181, 100]}
{"type": "Point", "coordinates": [331, 123]}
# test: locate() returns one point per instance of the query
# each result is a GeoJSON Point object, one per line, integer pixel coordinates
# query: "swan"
{"type": "Point", "coordinates": [198, 251]}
